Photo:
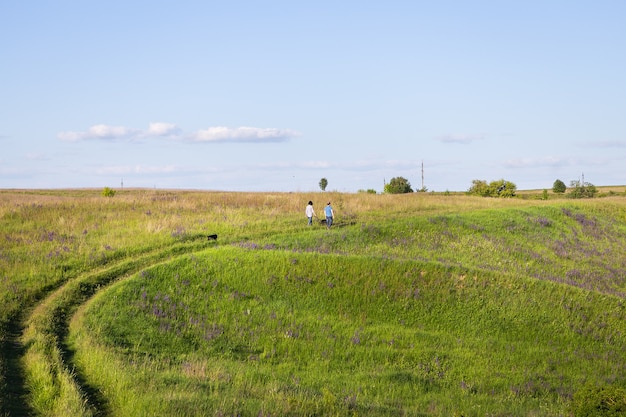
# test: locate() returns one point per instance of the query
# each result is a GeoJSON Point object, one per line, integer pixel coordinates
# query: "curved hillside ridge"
{"type": "Point", "coordinates": [573, 244]}
{"type": "Point", "coordinates": [236, 314]}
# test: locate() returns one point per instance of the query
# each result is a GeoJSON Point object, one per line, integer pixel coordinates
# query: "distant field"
{"type": "Point", "coordinates": [603, 191]}
{"type": "Point", "coordinates": [434, 304]}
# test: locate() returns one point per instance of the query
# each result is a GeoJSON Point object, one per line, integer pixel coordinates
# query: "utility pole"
{"type": "Point", "coordinates": [422, 175]}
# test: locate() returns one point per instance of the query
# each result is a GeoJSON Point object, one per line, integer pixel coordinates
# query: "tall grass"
{"type": "Point", "coordinates": [560, 242]}
{"type": "Point", "coordinates": [521, 251]}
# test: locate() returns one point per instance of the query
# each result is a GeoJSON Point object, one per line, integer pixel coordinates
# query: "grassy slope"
{"type": "Point", "coordinates": [383, 337]}
{"type": "Point", "coordinates": [497, 242]}
{"type": "Point", "coordinates": [378, 332]}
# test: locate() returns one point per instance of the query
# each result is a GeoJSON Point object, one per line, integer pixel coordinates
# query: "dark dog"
{"type": "Point", "coordinates": [212, 237]}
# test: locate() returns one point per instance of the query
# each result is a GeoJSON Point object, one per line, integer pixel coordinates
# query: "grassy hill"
{"type": "Point", "coordinates": [420, 304]}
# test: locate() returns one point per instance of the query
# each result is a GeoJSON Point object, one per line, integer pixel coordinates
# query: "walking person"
{"type": "Point", "coordinates": [330, 215]}
{"type": "Point", "coordinates": [310, 213]}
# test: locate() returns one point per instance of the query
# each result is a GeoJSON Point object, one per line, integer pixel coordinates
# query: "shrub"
{"type": "Point", "coordinates": [108, 192]}
{"type": "Point", "coordinates": [582, 190]}
{"type": "Point", "coordinates": [479, 187]}
{"type": "Point", "coordinates": [502, 188]}
{"type": "Point", "coordinates": [499, 188]}
{"type": "Point", "coordinates": [398, 185]}
{"type": "Point", "coordinates": [558, 187]}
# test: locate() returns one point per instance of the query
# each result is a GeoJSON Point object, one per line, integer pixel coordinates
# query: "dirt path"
{"type": "Point", "coordinates": [57, 305]}
{"type": "Point", "coordinates": [14, 393]}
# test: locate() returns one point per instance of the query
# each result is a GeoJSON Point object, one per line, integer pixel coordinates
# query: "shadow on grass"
{"type": "Point", "coordinates": [13, 392]}
{"type": "Point", "coordinates": [93, 396]}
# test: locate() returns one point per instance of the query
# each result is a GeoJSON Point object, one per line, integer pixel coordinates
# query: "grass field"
{"type": "Point", "coordinates": [419, 304]}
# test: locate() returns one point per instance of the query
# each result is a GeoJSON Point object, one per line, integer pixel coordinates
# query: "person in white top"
{"type": "Point", "coordinates": [310, 212]}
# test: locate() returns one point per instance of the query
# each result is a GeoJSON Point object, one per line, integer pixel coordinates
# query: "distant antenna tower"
{"type": "Point", "coordinates": [422, 175]}
{"type": "Point", "coordinates": [122, 183]}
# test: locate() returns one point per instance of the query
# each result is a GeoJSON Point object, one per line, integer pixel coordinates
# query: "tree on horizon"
{"type": "Point", "coordinates": [323, 184]}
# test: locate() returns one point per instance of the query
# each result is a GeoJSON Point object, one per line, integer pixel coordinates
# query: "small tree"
{"type": "Point", "coordinates": [558, 187]}
{"type": "Point", "coordinates": [582, 189]}
{"type": "Point", "coordinates": [479, 187]}
{"type": "Point", "coordinates": [323, 184]}
{"type": "Point", "coordinates": [398, 185]}
{"type": "Point", "coordinates": [502, 188]}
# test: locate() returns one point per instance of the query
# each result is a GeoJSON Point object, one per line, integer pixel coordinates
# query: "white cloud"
{"type": "Point", "coordinates": [171, 131]}
{"type": "Point", "coordinates": [377, 164]}
{"type": "Point", "coordinates": [99, 132]}
{"type": "Point", "coordinates": [549, 161]}
{"type": "Point", "coordinates": [606, 144]}
{"type": "Point", "coordinates": [463, 139]}
{"type": "Point", "coordinates": [243, 134]}
{"type": "Point", "coordinates": [317, 165]}
{"type": "Point", "coordinates": [36, 156]}
{"type": "Point", "coordinates": [136, 169]}
{"type": "Point", "coordinates": [361, 165]}
{"type": "Point", "coordinates": [162, 129]}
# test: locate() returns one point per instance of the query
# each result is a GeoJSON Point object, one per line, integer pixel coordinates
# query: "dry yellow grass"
{"type": "Point", "coordinates": [260, 204]}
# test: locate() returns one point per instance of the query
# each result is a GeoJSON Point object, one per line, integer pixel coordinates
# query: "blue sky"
{"type": "Point", "coordinates": [275, 95]}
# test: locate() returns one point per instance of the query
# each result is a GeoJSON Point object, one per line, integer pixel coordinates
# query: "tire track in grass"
{"type": "Point", "coordinates": [40, 369]}
{"type": "Point", "coordinates": [13, 390]}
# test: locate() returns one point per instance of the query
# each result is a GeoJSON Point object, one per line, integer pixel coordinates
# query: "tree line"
{"type": "Point", "coordinates": [497, 188]}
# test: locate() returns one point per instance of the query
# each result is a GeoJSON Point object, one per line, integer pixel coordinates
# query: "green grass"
{"type": "Point", "coordinates": [326, 334]}
{"type": "Point", "coordinates": [419, 304]}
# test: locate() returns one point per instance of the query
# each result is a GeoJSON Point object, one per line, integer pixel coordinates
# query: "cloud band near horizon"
{"type": "Point", "coordinates": [171, 131]}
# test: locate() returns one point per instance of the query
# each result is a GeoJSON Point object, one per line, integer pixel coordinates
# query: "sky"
{"type": "Point", "coordinates": [276, 95]}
